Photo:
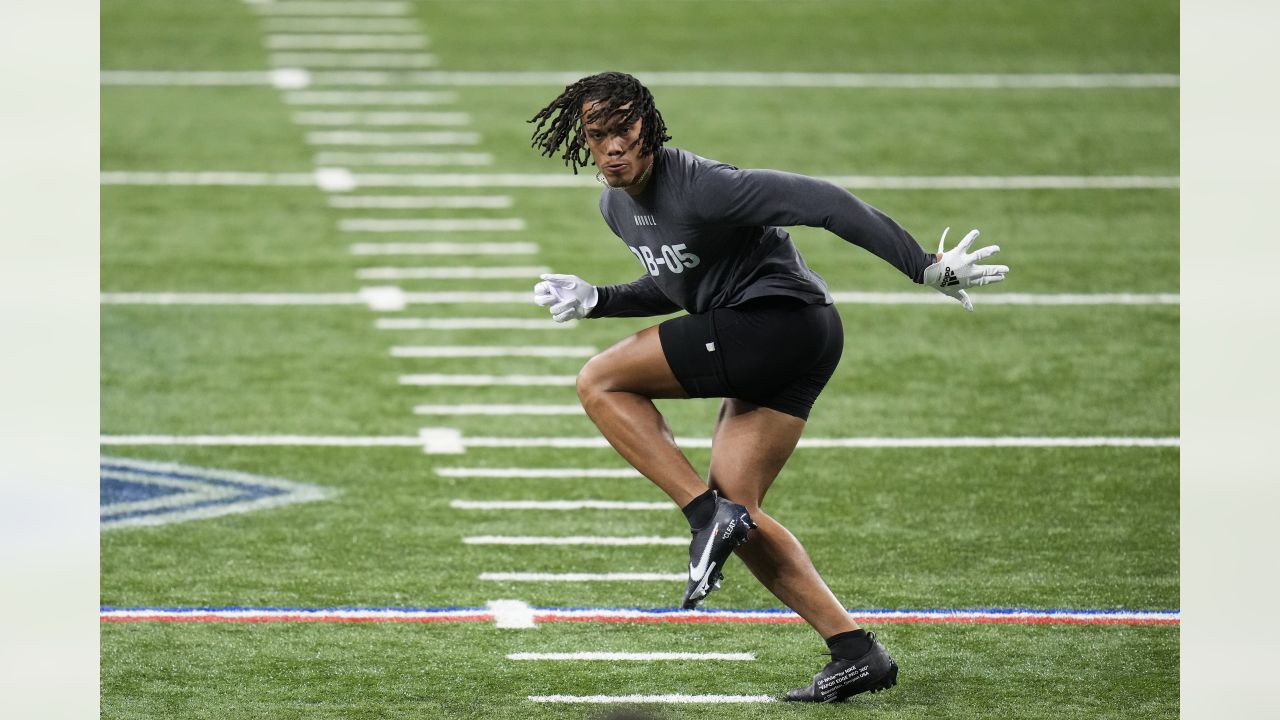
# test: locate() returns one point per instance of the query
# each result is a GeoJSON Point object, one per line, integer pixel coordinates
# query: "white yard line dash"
{"type": "Point", "coordinates": [607, 656]}
{"type": "Point", "coordinates": [391, 138]}
{"type": "Point", "coordinates": [416, 202]}
{"type": "Point", "coordinates": [477, 323]}
{"type": "Point", "coordinates": [371, 97]}
{"type": "Point", "coordinates": [445, 248]}
{"type": "Point", "coordinates": [531, 473]}
{"type": "Point", "coordinates": [346, 41]}
{"type": "Point", "coordinates": [353, 60]}
{"type": "Point", "coordinates": [498, 409]}
{"type": "Point", "coordinates": [582, 577]}
{"type": "Point", "coordinates": [444, 379]}
{"type": "Point", "coordinates": [558, 505]}
{"type": "Point", "coordinates": [575, 540]}
{"type": "Point", "coordinates": [286, 24]}
{"type": "Point", "coordinates": [521, 272]}
{"type": "Point", "coordinates": [379, 118]}
{"type": "Point", "coordinates": [396, 225]}
{"type": "Point", "coordinates": [325, 7]}
{"type": "Point", "coordinates": [488, 351]}
{"type": "Point", "coordinates": [673, 699]}
{"type": "Point", "coordinates": [401, 159]}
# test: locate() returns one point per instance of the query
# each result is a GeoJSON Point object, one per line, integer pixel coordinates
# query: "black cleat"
{"type": "Point", "coordinates": [711, 546]}
{"type": "Point", "coordinates": [842, 679]}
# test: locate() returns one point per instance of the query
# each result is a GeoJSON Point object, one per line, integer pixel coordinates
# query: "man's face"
{"type": "Point", "coordinates": [615, 149]}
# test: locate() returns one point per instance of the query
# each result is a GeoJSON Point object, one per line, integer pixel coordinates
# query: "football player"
{"type": "Point", "coordinates": [760, 331]}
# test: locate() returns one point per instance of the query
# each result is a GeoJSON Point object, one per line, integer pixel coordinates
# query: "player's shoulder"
{"type": "Point", "coordinates": [693, 171]}
{"type": "Point", "coordinates": [692, 164]}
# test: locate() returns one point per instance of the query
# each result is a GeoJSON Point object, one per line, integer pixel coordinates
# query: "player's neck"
{"type": "Point", "coordinates": [641, 183]}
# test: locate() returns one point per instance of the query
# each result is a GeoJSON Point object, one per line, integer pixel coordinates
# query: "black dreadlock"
{"type": "Point", "coordinates": [564, 121]}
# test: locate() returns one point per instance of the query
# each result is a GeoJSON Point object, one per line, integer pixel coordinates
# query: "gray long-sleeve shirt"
{"type": "Point", "coordinates": [710, 235]}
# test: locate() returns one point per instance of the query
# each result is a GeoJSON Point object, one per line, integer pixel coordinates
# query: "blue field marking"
{"type": "Point", "coordinates": [136, 493]}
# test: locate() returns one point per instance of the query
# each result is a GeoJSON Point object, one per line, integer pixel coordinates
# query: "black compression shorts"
{"type": "Point", "coordinates": [777, 352]}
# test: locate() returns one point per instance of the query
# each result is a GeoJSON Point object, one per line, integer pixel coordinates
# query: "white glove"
{"type": "Point", "coordinates": [957, 271]}
{"type": "Point", "coordinates": [569, 296]}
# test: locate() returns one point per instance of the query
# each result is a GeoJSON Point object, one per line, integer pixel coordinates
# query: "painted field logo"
{"type": "Point", "coordinates": [134, 493]}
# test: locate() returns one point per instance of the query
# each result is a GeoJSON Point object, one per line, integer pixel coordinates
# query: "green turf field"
{"type": "Point", "coordinates": [1039, 528]}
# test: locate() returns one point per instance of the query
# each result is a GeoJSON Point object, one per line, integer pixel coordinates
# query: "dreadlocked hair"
{"type": "Point", "coordinates": [562, 123]}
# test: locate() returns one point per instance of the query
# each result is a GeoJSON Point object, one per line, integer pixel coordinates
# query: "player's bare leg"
{"type": "Point", "coordinates": [617, 388]}
{"type": "Point", "coordinates": [749, 447]}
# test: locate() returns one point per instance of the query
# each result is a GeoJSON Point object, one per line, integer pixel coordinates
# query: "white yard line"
{"type": "Point", "coordinates": [443, 379]}
{"type": "Point", "coordinates": [534, 180]}
{"type": "Point", "coordinates": [401, 159]}
{"type": "Point", "coordinates": [557, 505]}
{"type": "Point", "coordinates": [445, 248]}
{"type": "Point", "coordinates": [377, 298]}
{"type": "Point", "coordinates": [216, 177]}
{"type": "Point", "coordinates": [486, 323]}
{"type": "Point", "coordinates": [905, 81]}
{"type": "Point", "coordinates": [261, 440]}
{"type": "Point", "coordinates": [1000, 298]}
{"type": "Point", "coordinates": [322, 8]}
{"type": "Point", "coordinates": [340, 25]}
{"type": "Point", "coordinates": [530, 473]}
{"type": "Point", "coordinates": [393, 138]}
{"type": "Point", "coordinates": [517, 297]}
{"type": "Point", "coordinates": [161, 298]}
{"type": "Point", "coordinates": [601, 443]}
{"type": "Point", "coordinates": [379, 118]}
{"type": "Point", "coordinates": [848, 443]}
{"type": "Point", "coordinates": [476, 351]}
{"type": "Point", "coordinates": [525, 272]}
{"type": "Point", "coordinates": [590, 656]}
{"type": "Point", "coordinates": [574, 540]}
{"type": "Point", "coordinates": [353, 59]}
{"type": "Point", "coordinates": [371, 97]}
{"type": "Point", "coordinates": [346, 41]}
{"type": "Point", "coordinates": [396, 225]}
{"type": "Point", "coordinates": [582, 577]}
{"type": "Point", "coordinates": [415, 202]}
{"type": "Point", "coordinates": [496, 409]}
{"type": "Point", "coordinates": [652, 699]}
{"type": "Point", "coordinates": [283, 78]}
{"type": "Point", "coordinates": [1003, 81]}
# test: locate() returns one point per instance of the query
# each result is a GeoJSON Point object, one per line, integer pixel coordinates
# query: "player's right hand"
{"type": "Point", "coordinates": [568, 297]}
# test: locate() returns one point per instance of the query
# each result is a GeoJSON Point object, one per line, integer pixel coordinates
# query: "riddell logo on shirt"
{"type": "Point", "coordinates": [649, 220]}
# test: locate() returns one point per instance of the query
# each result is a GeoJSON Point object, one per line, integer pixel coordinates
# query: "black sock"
{"type": "Point", "coordinates": [849, 645]}
{"type": "Point", "coordinates": [700, 510]}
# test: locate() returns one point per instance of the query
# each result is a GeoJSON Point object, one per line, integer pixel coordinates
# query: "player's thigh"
{"type": "Point", "coordinates": [635, 364]}
{"type": "Point", "coordinates": [750, 445]}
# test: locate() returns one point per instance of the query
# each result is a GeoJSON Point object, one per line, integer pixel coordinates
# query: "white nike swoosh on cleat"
{"type": "Point", "coordinates": [697, 571]}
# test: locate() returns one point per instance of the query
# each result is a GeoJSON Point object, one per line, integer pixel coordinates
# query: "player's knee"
{"type": "Point", "coordinates": [592, 381]}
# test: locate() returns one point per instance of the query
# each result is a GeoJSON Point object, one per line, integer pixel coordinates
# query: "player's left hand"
{"type": "Point", "coordinates": [958, 269]}
{"type": "Point", "coordinates": [569, 297]}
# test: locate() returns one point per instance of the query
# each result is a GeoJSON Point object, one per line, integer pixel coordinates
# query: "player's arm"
{"type": "Point", "coordinates": [569, 297]}
{"type": "Point", "coordinates": [728, 195]}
